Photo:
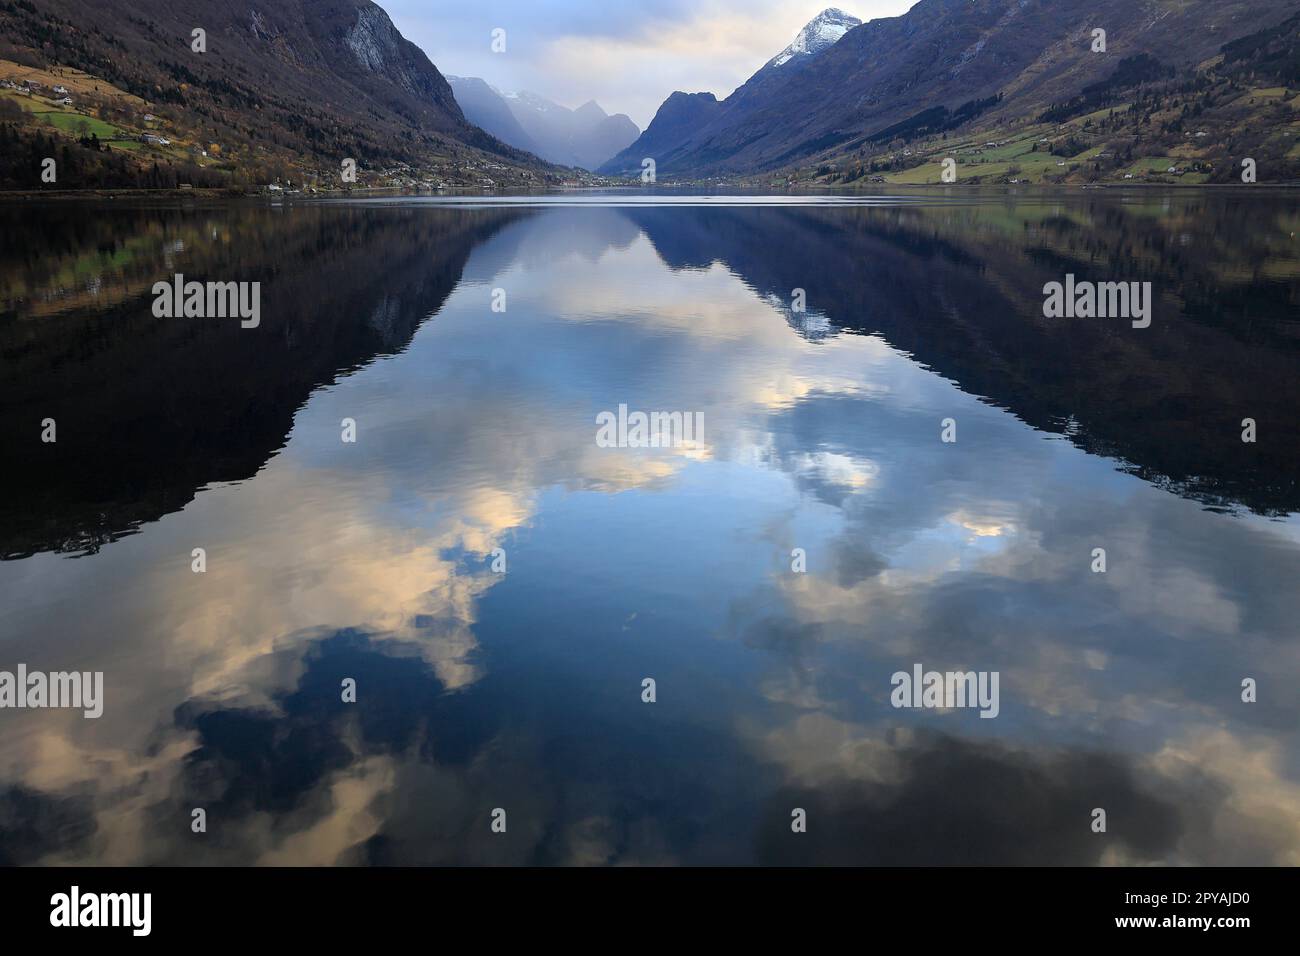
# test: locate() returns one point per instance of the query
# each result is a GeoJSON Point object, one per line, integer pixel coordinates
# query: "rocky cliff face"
{"type": "Point", "coordinates": [380, 49]}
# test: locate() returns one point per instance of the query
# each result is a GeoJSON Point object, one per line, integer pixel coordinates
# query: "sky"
{"type": "Point", "coordinates": [628, 55]}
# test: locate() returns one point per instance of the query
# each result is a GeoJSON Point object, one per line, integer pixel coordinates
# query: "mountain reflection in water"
{"type": "Point", "coordinates": [476, 432]}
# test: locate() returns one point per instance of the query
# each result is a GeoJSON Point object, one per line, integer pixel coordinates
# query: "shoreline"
{"type": "Point", "coordinates": [33, 195]}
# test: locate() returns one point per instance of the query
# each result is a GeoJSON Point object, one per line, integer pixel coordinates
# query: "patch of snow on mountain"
{"type": "Point", "coordinates": [822, 32]}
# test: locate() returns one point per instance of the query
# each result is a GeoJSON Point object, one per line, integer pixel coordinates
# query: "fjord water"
{"type": "Point", "coordinates": [475, 431]}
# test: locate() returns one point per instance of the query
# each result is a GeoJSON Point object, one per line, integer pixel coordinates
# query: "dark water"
{"type": "Point", "coordinates": [522, 690]}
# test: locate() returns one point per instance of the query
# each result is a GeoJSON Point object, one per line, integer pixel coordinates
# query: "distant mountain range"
{"type": "Point", "coordinates": [844, 92]}
{"type": "Point", "coordinates": [1009, 90]}
{"type": "Point", "coordinates": [586, 137]}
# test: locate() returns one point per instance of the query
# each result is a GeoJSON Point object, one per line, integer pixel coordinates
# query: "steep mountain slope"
{"type": "Point", "coordinates": [317, 79]}
{"type": "Point", "coordinates": [1146, 122]}
{"type": "Point", "coordinates": [944, 54]}
{"type": "Point", "coordinates": [585, 137]}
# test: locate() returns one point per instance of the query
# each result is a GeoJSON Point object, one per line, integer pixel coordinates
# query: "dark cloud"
{"type": "Point", "coordinates": [962, 802]}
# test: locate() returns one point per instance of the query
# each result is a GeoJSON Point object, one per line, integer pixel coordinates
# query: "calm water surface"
{"type": "Point", "coordinates": [476, 431]}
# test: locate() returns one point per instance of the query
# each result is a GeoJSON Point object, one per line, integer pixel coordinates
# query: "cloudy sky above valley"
{"type": "Point", "coordinates": [628, 55]}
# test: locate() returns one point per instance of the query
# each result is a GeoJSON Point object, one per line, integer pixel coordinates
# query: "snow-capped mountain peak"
{"type": "Point", "coordinates": [823, 31]}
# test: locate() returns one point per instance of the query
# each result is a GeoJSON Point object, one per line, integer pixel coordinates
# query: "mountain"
{"type": "Point", "coordinates": [821, 32]}
{"type": "Point", "coordinates": [670, 137]}
{"type": "Point", "coordinates": [944, 60]}
{"type": "Point", "coordinates": [606, 137]}
{"type": "Point", "coordinates": [680, 117]}
{"type": "Point", "coordinates": [487, 109]}
{"type": "Point", "coordinates": [585, 137]}
{"type": "Point", "coordinates": [299, 84]}
{"type": "Point", "coordinates": [1149, 118]}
